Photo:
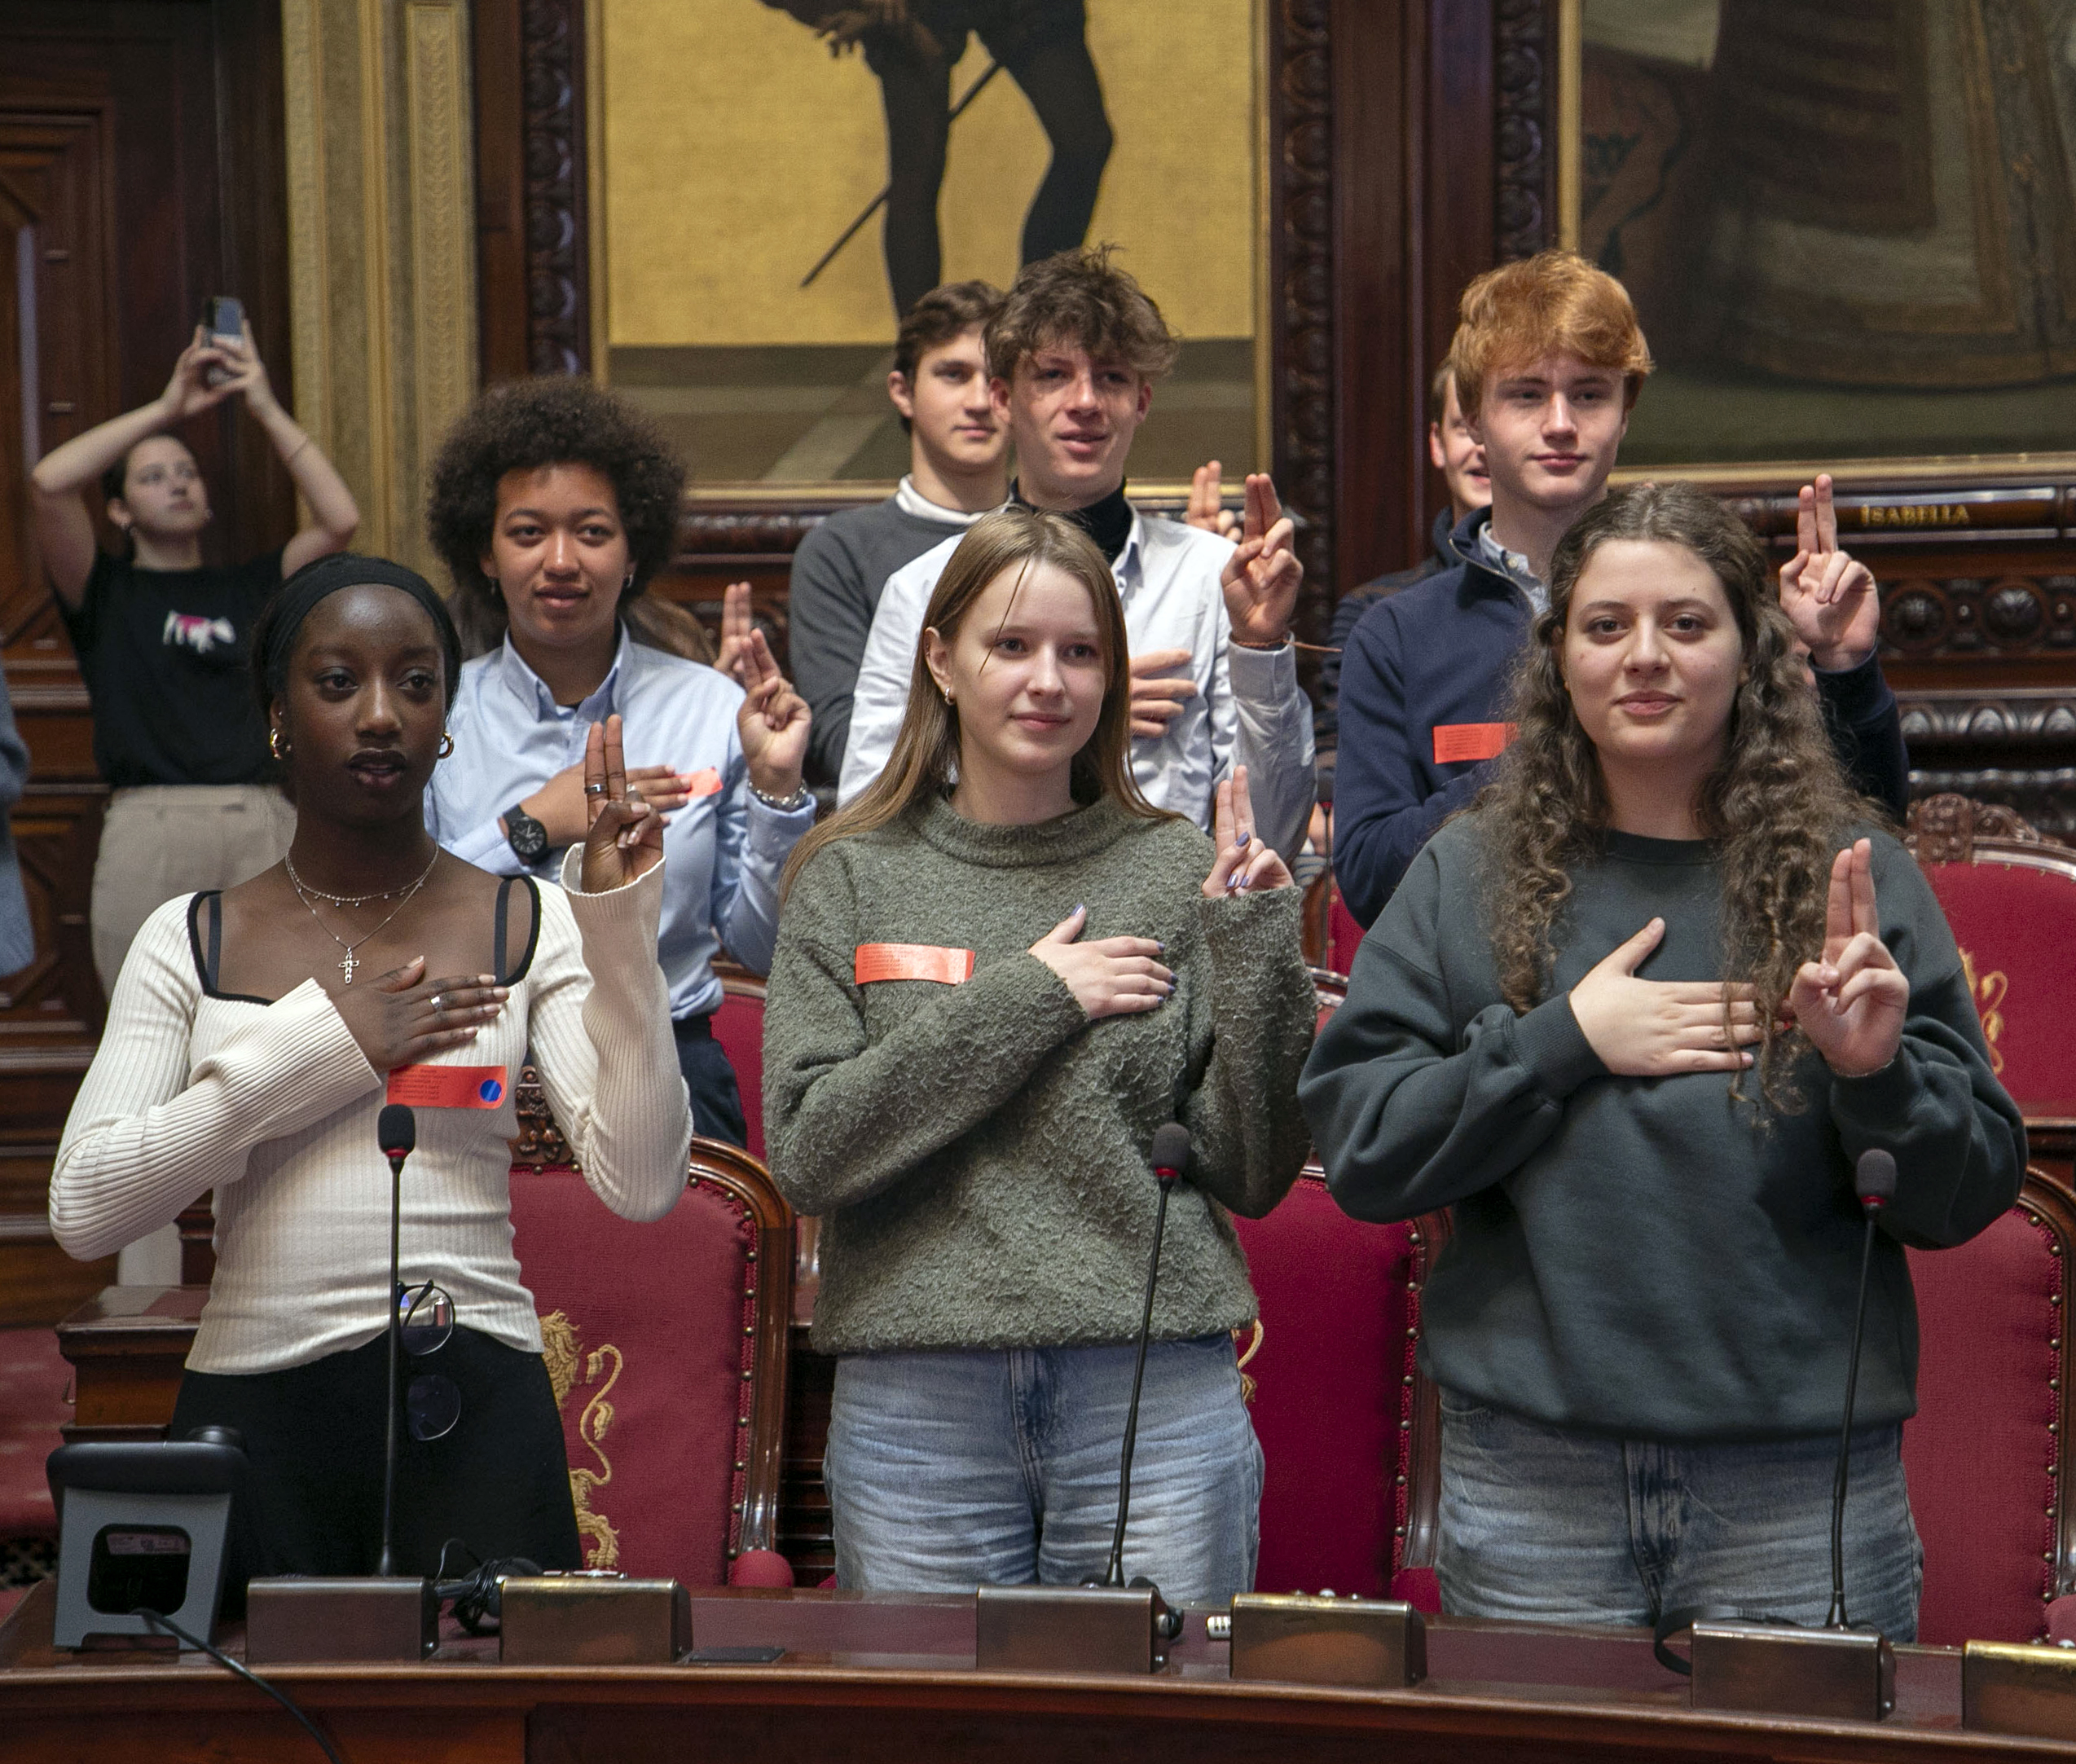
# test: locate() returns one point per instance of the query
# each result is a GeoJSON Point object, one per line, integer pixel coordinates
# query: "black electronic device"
{"type": "Point", "coordinates": [1170, 1158]}
{"type": "Point", "coordinates": [396, 1131]}
{"type": "Point", "coordinates": [143, 1525]}
{"type": "Point", "coordinates": [527, 836]}
{"type": "Point", "coordinates": [224, 320]}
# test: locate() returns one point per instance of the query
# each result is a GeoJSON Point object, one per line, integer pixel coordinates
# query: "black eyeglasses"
{"type": "Point", "coordinates": [432, 1400]}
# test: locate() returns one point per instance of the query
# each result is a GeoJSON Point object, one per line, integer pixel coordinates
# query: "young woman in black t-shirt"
{"type": "Point", "coordinates": [162, 638]}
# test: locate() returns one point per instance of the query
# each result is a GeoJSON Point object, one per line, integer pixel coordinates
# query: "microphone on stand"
{"type": "Point", "coordinates": [395, 1131]}
{"type": "Point", "coordinates": [1874, 1181]}
{"type": "Point", "coordinates": [1171, 1161]}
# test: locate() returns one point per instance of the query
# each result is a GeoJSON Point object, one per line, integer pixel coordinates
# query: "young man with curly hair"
{"type": "Point", "coordinates": [553, 504]}
{"type": "Point", "coordinates": [958, 469]}
{"type": "Point", "coordinates": [1548, 359]}
{"type": "Point", "coordinates": [1073, 357]}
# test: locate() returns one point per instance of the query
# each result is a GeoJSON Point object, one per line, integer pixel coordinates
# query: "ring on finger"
{"type": "Point", "coordinates": [439, 1005]}
{"type": "Point", "coordinates": [594, 789]}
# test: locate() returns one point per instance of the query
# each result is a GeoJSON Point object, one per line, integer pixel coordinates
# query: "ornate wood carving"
{"type": "Point", "coordinates": [1525, 88]}
{"type": "Point", "coordinates": [558, 206]}
{"type": "Point", "coordinates": [1943, 828]}
{"type": "Point", "coordinates": [1991, 614]}
{"type": "Point", "coordinates": [540, 1142]}
{"type": "Point", "coordinates": [1301, 247]}
{"type": "Point", "coordinates": [2045, 796]}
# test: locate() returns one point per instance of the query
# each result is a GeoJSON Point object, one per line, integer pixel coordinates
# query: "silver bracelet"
{"type": "Point", "coordinates": [785, 805]}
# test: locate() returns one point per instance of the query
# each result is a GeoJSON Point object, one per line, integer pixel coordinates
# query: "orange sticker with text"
{"type": "Point", "coordinates": [447, 1087]}
{"type": "Point", "coordinates": [704, 782]}
{"type": "Point", "coordinates": [1457, 742]}
{"type": "Point", "coordinates": [913, 962]}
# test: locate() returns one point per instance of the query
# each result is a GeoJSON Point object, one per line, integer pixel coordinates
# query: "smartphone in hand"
{"type": "Point", "coordinates": [225, 322]}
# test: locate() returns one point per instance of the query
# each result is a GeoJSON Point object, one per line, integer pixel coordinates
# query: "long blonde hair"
{"type": "Point", "coordinates": [924, 760]}
{"type": "Point", "coordinates": [1777, 804]}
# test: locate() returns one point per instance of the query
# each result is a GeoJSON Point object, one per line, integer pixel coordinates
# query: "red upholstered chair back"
{"type": "Point", "coordinates": [1986, 1454]}
{"type": "Point", "coordinates": [739, 1027]}
{"type": "Point", "coordinates": [2010, 896]}
{"type": "Point", "coordinates": [1348, 1432]}
{"type": "Point", "coordinates": [1343, 935]}
{"type": "Point", "coordinates": [667, 1346]}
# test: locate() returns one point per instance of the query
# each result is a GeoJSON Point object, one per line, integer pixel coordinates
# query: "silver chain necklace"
{"type": "Point", "coordinates": [352, 961]}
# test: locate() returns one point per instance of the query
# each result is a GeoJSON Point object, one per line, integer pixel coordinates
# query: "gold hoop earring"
{"type": "Point", "coordinates": [447, 743]}
{"type": "Point", "coordinates": [275, 746]}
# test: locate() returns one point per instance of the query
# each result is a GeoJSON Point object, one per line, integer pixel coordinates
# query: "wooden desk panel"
{"type": "Point", "coordinates": [1498, 1692]}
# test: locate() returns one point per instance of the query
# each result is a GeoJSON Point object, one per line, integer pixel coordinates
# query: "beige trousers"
{"type": "Point", "coordinates": [174, 839]}
{"type": "Point", "coordinates": [156, 842]}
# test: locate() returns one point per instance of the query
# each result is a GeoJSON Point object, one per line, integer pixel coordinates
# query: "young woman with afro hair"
{"type": "Point", "coordinates": [553, 504]}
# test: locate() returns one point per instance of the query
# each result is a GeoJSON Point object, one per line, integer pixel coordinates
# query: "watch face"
{"type": "Point", "coordinates": [527, 836]}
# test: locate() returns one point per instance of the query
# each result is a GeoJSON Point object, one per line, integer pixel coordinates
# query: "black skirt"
{"type": "Point", "coordinates": [499, 1482]}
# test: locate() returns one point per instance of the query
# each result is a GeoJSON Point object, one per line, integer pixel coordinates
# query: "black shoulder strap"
{"type": "Point", "coordinates": [208, 946]}
{"type": "Point", "coordinates": [498, 936]}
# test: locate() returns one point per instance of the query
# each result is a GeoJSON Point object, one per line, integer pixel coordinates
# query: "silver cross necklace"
{"type": "Point", "coordinates": [352, 961]}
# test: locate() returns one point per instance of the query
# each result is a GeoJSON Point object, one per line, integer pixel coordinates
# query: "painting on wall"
{"type": "Point", "coordinates": [1848, 229]}
{"type": "Point", "coordinates": [780, 179]}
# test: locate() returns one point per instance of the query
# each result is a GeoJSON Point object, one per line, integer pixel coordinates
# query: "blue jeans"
{"type": "Point", "coordinates": [952, 1470]}
{"type": "Point", "coordinates": [1553, 1525]}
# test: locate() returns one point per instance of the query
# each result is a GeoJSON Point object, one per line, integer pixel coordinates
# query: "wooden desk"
{"type": "Point", "coordinates": [892, 1678]}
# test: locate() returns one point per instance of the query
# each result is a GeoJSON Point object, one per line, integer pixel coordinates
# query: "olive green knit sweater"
{"type": "Point", "coordinates": [978, 1152]}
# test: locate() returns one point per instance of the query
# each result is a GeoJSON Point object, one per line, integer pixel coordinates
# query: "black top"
{"type": "Point", "coordinates": [166, 657]}
{"type": "Point", "coordinates": [1108, 522]}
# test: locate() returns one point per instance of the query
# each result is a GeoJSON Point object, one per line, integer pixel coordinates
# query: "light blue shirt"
{"type": "Point", "coordinates": [725, 849]}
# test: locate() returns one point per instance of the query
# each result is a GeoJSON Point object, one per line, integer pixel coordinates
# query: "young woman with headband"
{"type": "Point", "coordinates": [248, 1045]}
{"type": "Point", "coordinates": [1634, 1017]}
{"type": "Point", "coordinates": [999, 971]}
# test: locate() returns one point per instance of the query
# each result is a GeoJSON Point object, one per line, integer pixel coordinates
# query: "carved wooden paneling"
{"type": "Point", "coordinates": [1524, 78]}
{"type": "Point", "coordinates": [1301, 278]}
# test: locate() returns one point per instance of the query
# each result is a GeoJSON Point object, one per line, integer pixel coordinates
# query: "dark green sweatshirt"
{"type": "Point", "coordinates": [1649, 1256]}
{"type": "Point", "coordinates": [978, 1152]}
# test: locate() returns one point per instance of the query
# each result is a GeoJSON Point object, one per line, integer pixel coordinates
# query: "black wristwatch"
{"type": "Point", "coordinates": [527, 836]}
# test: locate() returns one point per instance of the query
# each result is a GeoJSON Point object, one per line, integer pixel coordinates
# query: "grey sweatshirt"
{"type": "Point", "coordinates": [837, 573]}
{"type": "Point", "coordinates": [978, 1152]}
{"type": "Point", "coordinates": [1650, 1257]}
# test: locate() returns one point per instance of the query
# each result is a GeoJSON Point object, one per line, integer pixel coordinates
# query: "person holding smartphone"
{"type": "Point", "coordinates": [162, 636]}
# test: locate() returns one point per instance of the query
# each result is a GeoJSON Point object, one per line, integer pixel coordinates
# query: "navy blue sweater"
{"type": "Point", "coordinates": [1442, 651]}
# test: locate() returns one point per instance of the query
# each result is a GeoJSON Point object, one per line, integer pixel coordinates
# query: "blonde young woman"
{"type": "Point", "coordinates": [998, 973]}
{"type": "Point", "coordinates": [1634, 1017]}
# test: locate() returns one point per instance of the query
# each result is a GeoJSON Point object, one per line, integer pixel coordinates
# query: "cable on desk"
{"type": "Point", "coordinates": [159, 1620]}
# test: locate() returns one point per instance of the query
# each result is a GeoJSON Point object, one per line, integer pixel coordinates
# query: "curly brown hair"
{"type": "Point", "coordinates": [522, 426]}
{"type": "Point", "coordinates": [1081, 298]}
{"type": "Point", "coordinates": [1776, 805]}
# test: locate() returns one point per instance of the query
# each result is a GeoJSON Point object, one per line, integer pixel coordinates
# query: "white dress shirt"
{"type": "Point", "coordinates": [725, 848]}
{"type": "Point", "coordinates": [1248, 710]}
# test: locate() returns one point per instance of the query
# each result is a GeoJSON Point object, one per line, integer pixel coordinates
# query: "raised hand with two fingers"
{"type": "Point", "coordinates": [1262, 577]}
{"type": "Point", "coordinates": [1851, 1002]}
{"type": "Point", "coordinates": [403, 1018]}
{"type": "Point", "coordinates": [1659, 1028]}
{"type": "Point", "coordinates": [1828, 595]}
{"type": "Point", "coordinates": [1110, 977]}
{"type": "Point", "coordinates": [1206, 507]}
{"type": "Point", "coordinates": [1240, 862]}
{"type": "Point", "coordinates": [773, 722]}
{"type": "Point", "coordinates": [736, 632]}
{"type": "Point", "coordinates": [625, 839]}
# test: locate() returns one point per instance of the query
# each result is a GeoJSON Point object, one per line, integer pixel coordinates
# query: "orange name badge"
{"type": "Point", "coordinates": [913, 962]}
{"type": "Point", "coordinates": [1457, 741]}
{"type": "Point", "coordinates": [448, 1087]}
{"type": "Point", "coordinates": [705, 781]}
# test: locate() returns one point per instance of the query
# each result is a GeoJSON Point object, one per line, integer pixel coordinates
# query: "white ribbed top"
{"type": "Point", "coordinates": [274, 1107]}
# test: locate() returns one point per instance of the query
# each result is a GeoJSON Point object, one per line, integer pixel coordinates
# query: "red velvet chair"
{"type": "Point", "coordinates": [1342, 935]}
{"type": "Point", "coordinates": [1348, 1429]}
{"type": "Point", "coordinates": [1987, 1454]}
{"type": "Point", "coordinates": [739, 1027]}
{"type": "Point", "coordinates": [667, 1345]}
{"type": "Point", "coordinates": [2010, 895]}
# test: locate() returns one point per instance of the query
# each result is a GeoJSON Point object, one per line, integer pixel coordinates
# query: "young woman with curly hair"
{"type": "Point", "coordinates": [1633, 1016]}
{"type": "Point", "coordinates": [553, 504]}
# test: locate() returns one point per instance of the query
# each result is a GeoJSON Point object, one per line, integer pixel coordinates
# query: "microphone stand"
{"type": "Point", "coordinates": [1113, 1575]}
{"type": "Point", "coordinates": [1876, 1183]}
{"type": "Point", "coordinates": [399, 1133]}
